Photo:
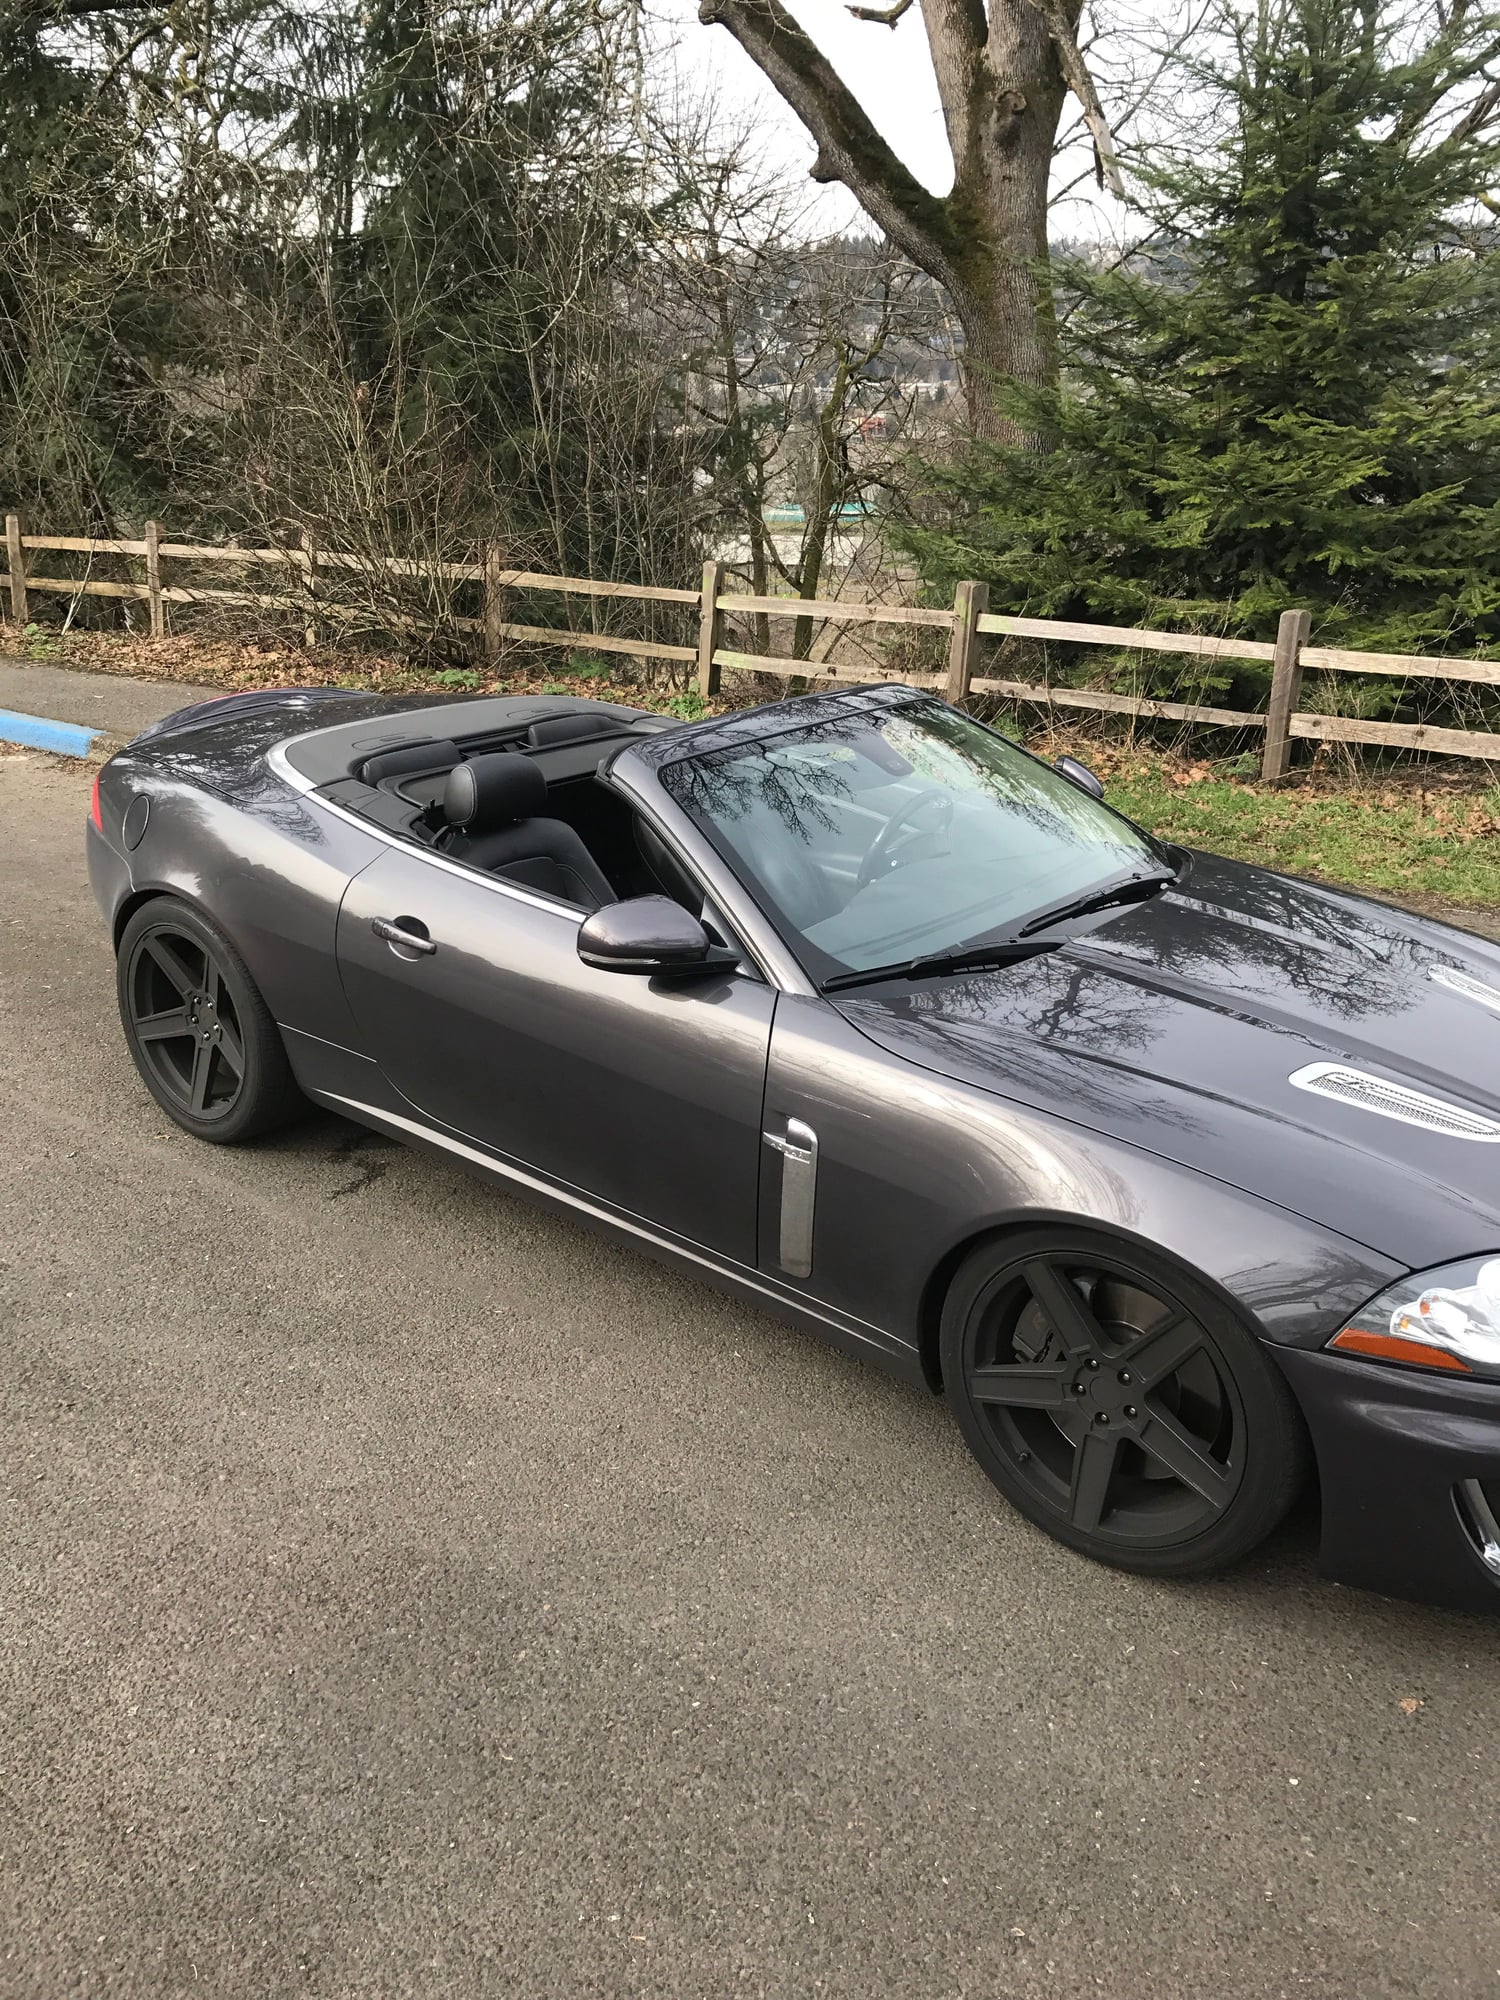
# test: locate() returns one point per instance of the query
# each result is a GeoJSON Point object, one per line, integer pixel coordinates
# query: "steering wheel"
{"type": "Point", "coordinates": [939, 803]}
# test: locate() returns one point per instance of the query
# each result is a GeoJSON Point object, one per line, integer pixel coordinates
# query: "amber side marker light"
{"type": "Point", "coordinates": [94, 813]}
{"type": "Point", "coordinates": [1391, 1347]}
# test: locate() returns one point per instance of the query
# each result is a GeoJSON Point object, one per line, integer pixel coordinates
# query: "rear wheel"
{"type": "Point", "coordinates": [1119, 1403]}
{"type": "Point", "coordinates": [202, 1037]}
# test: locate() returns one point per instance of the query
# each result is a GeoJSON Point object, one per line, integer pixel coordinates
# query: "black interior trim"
{"type": "Point", "coordinates": [431, 754]}
{"type": "Point", "coordinates": [665, 870]}
{"type": "Point", "coordinates": [396, 814]}
{"type": "Point", "coordinates": [484, 722]}
{"type": "Point", "coordinates": [557, 729]}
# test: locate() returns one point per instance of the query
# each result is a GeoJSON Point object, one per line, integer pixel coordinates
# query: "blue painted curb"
{"type": "Point", "coordinates": [68, 739]}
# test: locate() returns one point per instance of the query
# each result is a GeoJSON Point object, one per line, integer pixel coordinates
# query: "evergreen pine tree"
{"type": "Point", "coordinates": [1294, 398]}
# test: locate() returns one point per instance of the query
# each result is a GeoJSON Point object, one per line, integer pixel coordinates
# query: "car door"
{"type": "Point", "coordinates": [644, 1092]}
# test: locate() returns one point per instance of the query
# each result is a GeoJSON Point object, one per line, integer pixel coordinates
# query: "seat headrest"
{"type": "Point", "coordinates": [491, 792]}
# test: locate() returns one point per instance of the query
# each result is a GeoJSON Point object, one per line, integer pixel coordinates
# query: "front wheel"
{"type": "Point", "coordinates": [1118, 1403]}
{"type": "Point", "coordinates": [202, 1037]}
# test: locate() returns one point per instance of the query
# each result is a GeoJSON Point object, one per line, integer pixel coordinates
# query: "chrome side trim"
{"type": "Point", "coordinates": [844, 1323]}
{"type": "Point", "coordinates": [799, 1189]}
{"type": "Point", "coordinates": [1485, 1528]}
{"type": "Point", "coordinates": [1344, 1084]}
{"type": "Point", "coordinates": [1465, 983]}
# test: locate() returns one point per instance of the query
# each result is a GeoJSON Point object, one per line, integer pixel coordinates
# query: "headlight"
{"type": "Point", "coordinates": [1448, 1319]}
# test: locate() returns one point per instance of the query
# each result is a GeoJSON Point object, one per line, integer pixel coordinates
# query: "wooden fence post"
{"type": "Point", "coordinates": [709, 625]}
{"type": "Point", "coordinates": [1286, 690]}
{"type": "Point", "coordinates": [970, 601]}
{"type": "Point", "coordinates": [494, 604]}
{"type": "Point", "coordinates": [15, 557]}
{"type": "Point", "coordinates": [153, 580]}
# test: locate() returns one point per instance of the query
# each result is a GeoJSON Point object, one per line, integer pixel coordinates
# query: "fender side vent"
{"type": "Point", "coordinates": [1465, 983]}
{"type": "Point", "coordinates": [1394, 1100]}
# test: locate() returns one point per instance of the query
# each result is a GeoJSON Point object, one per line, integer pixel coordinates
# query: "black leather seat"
{"type": "Point", "coordinates": [494, 807]}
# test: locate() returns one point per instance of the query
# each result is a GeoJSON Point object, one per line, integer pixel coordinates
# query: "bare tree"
{"type": "Point", "coordinates": [799, 365]}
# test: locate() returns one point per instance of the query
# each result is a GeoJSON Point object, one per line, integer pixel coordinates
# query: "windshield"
{"type": "Point", "coordinates": [884, 834]}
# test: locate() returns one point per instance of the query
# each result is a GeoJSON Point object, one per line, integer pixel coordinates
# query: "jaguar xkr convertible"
{"type": "Point", "coordinates": [1178, 1180]}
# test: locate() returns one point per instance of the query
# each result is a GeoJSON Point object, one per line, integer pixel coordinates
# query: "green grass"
{"type": "Point", "coordinates": [1446, 845]}
{"type": "Point", "coordinates": [39, 643]}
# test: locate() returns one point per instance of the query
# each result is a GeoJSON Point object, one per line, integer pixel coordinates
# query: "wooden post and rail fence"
{"type": "Point", "coordinates": [968, 625]}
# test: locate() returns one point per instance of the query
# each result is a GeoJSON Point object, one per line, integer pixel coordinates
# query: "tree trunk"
{"type": "Point", "coordinates": [1003, 134]}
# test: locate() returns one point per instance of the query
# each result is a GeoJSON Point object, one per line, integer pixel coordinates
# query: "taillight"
{"type": "Point", "coordinates": [94, 813]}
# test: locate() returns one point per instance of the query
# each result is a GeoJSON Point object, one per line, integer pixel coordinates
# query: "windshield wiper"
{"type": "Point", "coordinates": [1007, 950]}
{"type": "Point", "coordinates": [935, 964]}
{"type": "Point", "coordinates": [1134, 889]}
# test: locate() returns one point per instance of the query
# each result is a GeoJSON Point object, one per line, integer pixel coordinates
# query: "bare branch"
{"type": "Point", "coordinates": [128, 54]}
{"type": "Point", "coordinates": [78, 10]}
{"type": "Point", "coordinates": [849, 147]}
{"type": "Point", "coordinates": [1479, 114]}
{"type": "Point", "coordinates": [1079, 81]}
{"type": "Point", "coordinates": [886, 16]}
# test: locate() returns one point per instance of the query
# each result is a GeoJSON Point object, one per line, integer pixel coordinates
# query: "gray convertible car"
{"type": "Point", "coordinates": [1178, 1179]}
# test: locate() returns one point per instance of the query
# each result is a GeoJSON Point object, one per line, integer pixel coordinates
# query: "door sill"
{"type": "Point", "coordinates": [856, 1336]}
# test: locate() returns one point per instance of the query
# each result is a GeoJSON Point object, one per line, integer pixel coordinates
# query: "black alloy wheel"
{"type": "Point", "coordinates": [1119, 1404]}
{"type": "Point", "coordinates": [201, 1035]}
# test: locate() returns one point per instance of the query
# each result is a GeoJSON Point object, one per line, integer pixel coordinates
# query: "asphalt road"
{"type": "Point", "coordinates": [107, 702]}
{"type": "Point", "coordinates": [402, 1593]}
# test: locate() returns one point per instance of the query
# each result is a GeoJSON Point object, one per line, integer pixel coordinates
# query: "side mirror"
{"type": "Point", "coordinates": [1079, 775]}
{"type": "Point", "coordinates": [651, 936]}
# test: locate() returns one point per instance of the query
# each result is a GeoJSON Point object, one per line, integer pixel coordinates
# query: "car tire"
{"type": "Point", "coordinates": [201, 1035]}
{"type": "Point", "coordinates": [1119, 1402]}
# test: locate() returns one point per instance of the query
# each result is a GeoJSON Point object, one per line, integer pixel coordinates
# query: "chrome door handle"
{"type": "Point", "coordinates": [396, 934]}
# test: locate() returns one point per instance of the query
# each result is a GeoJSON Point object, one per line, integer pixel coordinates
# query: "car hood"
{"type": "Point", "coordinates": [1177, 1025]}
